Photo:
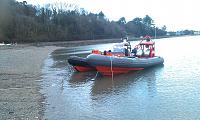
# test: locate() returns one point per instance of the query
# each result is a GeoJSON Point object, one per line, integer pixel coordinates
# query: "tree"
{"type": "Point", "coordinates": [22, 22]}
{"type": "Point", "coordinates": [5, 19]}
{"type": "Point", "coordinates": [122, 21]}
{"type": "Point", "coordinates": [101, 15]}
{"type": "Point", "coordinates": [147, 21]}
{"type": "Point", "coordinates": [137, 21]}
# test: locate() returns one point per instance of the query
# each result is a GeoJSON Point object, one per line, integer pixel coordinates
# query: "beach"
{"type": "Point", "coordinates": [20, 77]}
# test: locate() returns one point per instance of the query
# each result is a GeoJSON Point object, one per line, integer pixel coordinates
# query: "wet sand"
{"type": "Point", "coordinates": [20, 77]}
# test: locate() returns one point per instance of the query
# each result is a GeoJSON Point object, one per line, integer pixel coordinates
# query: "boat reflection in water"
{"type": "Point", "coordinates": [79, 78]}
{"type": "Point", "coordinates": [107, 86]}
{"type": "Point", "coordinates": [123, 83]}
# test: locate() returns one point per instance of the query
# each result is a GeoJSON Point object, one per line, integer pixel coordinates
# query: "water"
{"type": "Point", "coordinates": [168, 92]}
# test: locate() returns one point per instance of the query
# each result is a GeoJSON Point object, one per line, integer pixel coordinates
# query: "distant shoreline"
{"type": "Point", "coordinates": [81, 42]}
{"type": "Point", "coordinates": [93, 42]}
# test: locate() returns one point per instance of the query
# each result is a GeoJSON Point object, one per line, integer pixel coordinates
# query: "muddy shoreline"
{"type": "Point", "coordinates": [20, 78]}
{"type": "Point", "coordinates": [88, 42]}
{"type": "Point", "coordinates": [76, 43]}
{"type": "Point", "coordinates": [21, 75]}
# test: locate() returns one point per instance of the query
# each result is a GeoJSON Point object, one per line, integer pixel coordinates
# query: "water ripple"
{"type": "Point", "coordinates": [165, 92]}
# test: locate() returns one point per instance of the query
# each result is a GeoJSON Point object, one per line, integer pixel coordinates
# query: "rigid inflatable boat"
{"type": "Point", "coordinates": [121, 60]}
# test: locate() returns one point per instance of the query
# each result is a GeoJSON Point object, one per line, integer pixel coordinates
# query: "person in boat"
{"type": "Point", "coordinates": [143, 49]}
{"type": "Point", "coordinates": [122, 49]}
{"type": "Point", "coordinates": [104, 52]}
{"type": "Point", "coordinates": [126, 52]}
{"type": "Point", "coordinates": [148, 38]}
{"type": "Point", "coordinates": [134, 51]}
{"type": "Point", "coordinates": [107, 53]}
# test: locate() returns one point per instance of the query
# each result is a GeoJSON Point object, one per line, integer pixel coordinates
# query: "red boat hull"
{"type": "Point", "coordinates": [108, 71]}
{"type": "Point", "coordinates": [83, 69]}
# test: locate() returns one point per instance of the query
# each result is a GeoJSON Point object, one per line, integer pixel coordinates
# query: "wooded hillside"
{"type": "Point", "coordinates": [23, 22]}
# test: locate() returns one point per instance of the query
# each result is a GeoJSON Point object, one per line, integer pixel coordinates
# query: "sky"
{"type": "Point", "coordinates": [175, 14]}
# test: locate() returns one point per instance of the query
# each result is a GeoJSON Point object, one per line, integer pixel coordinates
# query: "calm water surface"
{"type": "Point", "coordinates": [168, 92]}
